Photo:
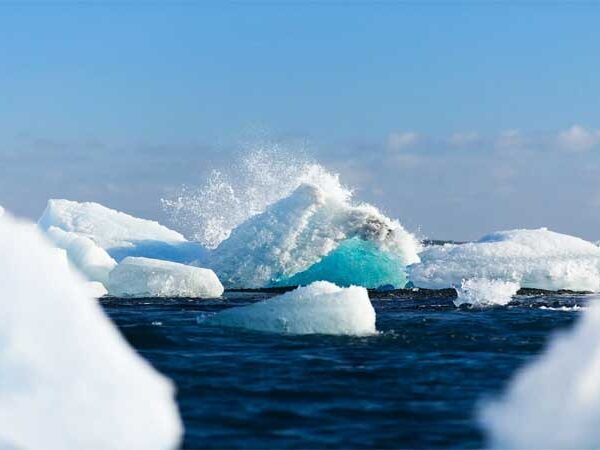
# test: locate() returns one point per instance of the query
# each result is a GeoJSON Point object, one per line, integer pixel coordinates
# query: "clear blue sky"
{"type": "Point", "coordinates": [456, 117]}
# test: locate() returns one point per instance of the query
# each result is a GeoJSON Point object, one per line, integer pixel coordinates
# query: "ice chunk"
{"type": "Point", "coordinates": [538, 258]}
{"type": "Point", "coordinates": [68, 379]}
{"type": "Point", "coordinates": [120, 234]}
{"type": "Point", "coordinates": [553, 402]}
{"type": "Point", "coordinates": [296, 232]}
{"type": "Point", "coordinates": [320, 308]}
{"type": "Point", "coordinates": [482, 292]}
{"type": "Point", "coordinates": [144, 277]}
{"type": "Point", "coordinates": [83, 254]}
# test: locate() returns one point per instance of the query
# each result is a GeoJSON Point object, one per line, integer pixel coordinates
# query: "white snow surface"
{"type": "Point", "coordinates": [296, 232]}
{"type": "Point", "coordinates": [553, 402]}
{"type": "Point", "coordinates": [90, 259]}
{"type": "Point", "coordinates": [69, 380]}
{"type": "Point", "coordinates": [538, 258]}
{"type": "Point", "coordinates": [145, 277]}
{"type": "Point", "coordinates": [319, 308]}
{"type": "Point", "coordinates": [481, 292]}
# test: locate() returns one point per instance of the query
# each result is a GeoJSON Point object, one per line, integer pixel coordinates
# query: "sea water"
{"type": "Point", "coordinates": [418, 383]}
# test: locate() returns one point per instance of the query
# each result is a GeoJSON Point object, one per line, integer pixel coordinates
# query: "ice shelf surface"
{"type": "Point", "coordinates": [68, 379]}
{"type": "Point", "coordinates": [538, 258]}
{"type": "Point", "coordinates": [144, 277]}
{"type": "Point", "coordinates": [320, 308]}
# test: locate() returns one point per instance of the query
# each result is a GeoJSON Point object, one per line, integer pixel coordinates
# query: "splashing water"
{"type": "Point", "coordinates": [480, 292]}
{"type": "Point", "coordinates": [227, 198]}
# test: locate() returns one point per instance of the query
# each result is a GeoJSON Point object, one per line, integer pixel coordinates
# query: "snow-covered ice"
{"type": "Point", "coordinates": [538, 258]}
{"type": "Point", "coordinates": [320, 308]}
{"type": "Point", "coordinates": [120, 234]}
{"type": "Point", "coordinates": [298, 231]}
{"type": "Point", "coordinates": [83, 254]}
{"type": "Point", "coordinates": [554, 402]}
{"type": "Point", "coordinates": [68, 379]}
{"type": "Point", "coordinates": [482, 292]}
{"type": "Point", "coordinates": [144, 277]}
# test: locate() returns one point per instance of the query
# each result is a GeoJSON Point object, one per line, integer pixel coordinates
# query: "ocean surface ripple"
{"type": "Point", "coordinates": [417, 384]}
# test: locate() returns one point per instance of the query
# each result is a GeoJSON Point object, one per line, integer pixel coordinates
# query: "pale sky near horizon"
{"type": "Point", "coordinates": [458, 118]}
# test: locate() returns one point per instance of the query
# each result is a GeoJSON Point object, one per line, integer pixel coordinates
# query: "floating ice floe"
{"type": "Point", "coordinates": [83, 254]}
{"type": "Point", "coordinates": [120, 234]}
{"type": "Point", "coordinates": [320, 308]}
{"type": "Point", "coordinates": [538, 258]}
{"type": "Point", "coordinates": [553, 402]}
{"type": "Point", "coordinates": [68, 379]}
{"type": "Point", "coordinates": [144, 277]}
{"type": "Point", "coordinates": [316, 234]}
{"type": "Point", "coordinates": [482, 292]}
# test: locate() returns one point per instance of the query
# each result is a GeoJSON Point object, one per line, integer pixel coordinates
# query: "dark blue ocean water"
{"type": "Point", "coordinates": [416, 385]}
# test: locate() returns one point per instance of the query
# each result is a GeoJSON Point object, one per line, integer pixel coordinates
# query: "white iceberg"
{"type": "Point", "coordinates": [554, 402]}
{"type": "Point", "coordinates": [120, 234]}
{"type": "Point", "coordinates": [320, 308]}
{"type": "Point", "coordinates": [144, 277]}
{"type": "Point", "coordinates": [83, 254]}
{"type": "Point", "coordinates": [316, 234]}
{"type": "Point", "coordinates": [481, 292]}
{"type": "Point", "coordinates": [68, 379]}
{"type": "Point", "coordinates": [538, 258]}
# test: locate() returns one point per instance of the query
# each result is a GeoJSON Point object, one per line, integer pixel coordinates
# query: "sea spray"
{"type": "Point", "coordinates": [229, 196]}
{"type": "Point", "coordinates": [480, 292]}
{"type": "Point", "coordinates": [274, 216]}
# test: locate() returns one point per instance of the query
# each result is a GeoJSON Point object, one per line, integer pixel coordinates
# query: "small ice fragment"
{"type": "Point", "coordinates": [145, 277]}
{"type": "Point", "coordinates": [320, 308]}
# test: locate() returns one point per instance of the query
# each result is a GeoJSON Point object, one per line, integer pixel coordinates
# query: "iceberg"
{"type": "Point", "coordinates": [144, 277]}
{"type": "Point", "coordinates": [480, 292]}
{"type": "Point", "coordinates": [83, 254]}
{"type": "Point", "coordinates": [538, 258]}
{"type": "Point", "coordinates": [299, 235]}
{"type": "Point", "coordinates": [320, 308]}
{"type": "Point", "coordinates": [69, 380]}
{"type": "Point", "coordinates": [554, 402]}
{"type": "Point", "coordinates": [120, 234]}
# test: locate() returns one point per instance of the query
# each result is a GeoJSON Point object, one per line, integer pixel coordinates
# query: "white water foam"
{"type": "Point", "coordinates": [68, 379]}
{"type": "Point", "coordinates": [481, 292]}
